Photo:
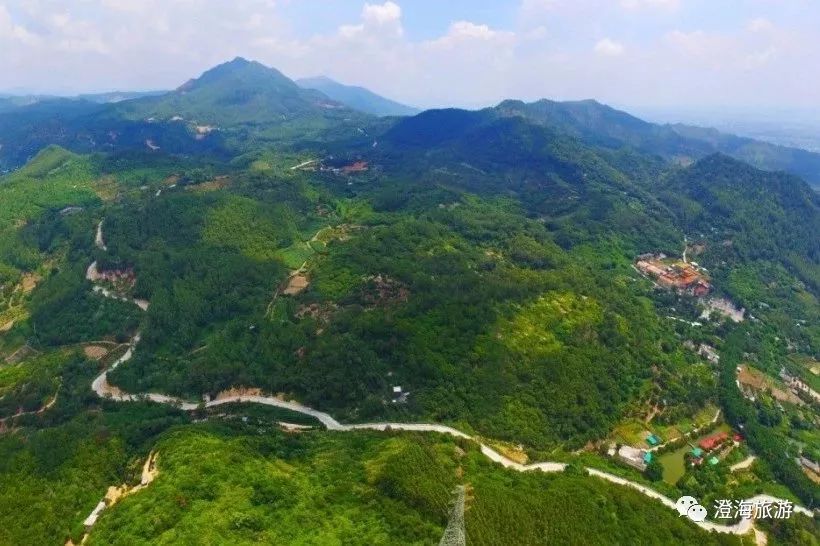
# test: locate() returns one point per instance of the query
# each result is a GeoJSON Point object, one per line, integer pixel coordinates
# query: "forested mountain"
{"type": "Point", "coordinates": [602, 125]}
{"type": "Point", "coordinates": [118, 96]}
{"type": "Point", "coordinates": [357, 97]}
{"type": "Point", "coordinates": [749, 215]}
{"type": "Point", "coordinates": [14, 102]}
{"type": "Point", "coordinates": [217, 113]}
{"type": "Point", "coordinates": [236, 92]}
{"type": "Point", "coordinates": [766, 213]}
{"type": "Point", "coordinates": [247, 98]}
{"type": "Point", "coordinates": [244, 238]}
{"type": "Point", "coordinates": [11, 102]}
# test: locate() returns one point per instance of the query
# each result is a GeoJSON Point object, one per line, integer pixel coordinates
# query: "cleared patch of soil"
{"type": "Point", "coordinates": [106, 188]}
{"type": "Point", "coordinates": [29, 282]}
{"type": "Point", "coordinates": [296, 284]}
{"type": "Point", "coordinates": [94, 352]}
{"type": "Point", "coordinates": [515, 453]}
{"type": "Point", "coordinates": [357, 167]}
{"type": "Point", "coordinates": [217, 183]}
{"type": "Point", "coordinates": [759, 381]}
{"type": "Point", "coordinates": [238, 391]}
{"type": "Point", "coordinates": [317, 311]}
{"type": "Point", "coordinates": [813, 476]}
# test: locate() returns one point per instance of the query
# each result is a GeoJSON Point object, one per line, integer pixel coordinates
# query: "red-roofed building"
{"type": "Point", "coordinates": [711, 442]}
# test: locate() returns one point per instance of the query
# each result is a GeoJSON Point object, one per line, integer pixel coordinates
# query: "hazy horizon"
{"type": "Point", "coordinates": [639, 55]}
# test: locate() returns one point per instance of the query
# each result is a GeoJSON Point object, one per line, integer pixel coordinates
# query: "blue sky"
{"type": "Point", "coordinates": [746, 55]}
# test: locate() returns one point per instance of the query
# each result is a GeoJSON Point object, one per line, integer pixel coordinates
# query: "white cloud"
{"type": "Point", "coordinates": [609, 48]}
{"type": "Point", "coordinates": [376, 19]}
{"type": "Point", "coordinates": [760, 58]}
{"type": "Point", "coordinates": [693, 43]}
{"type": "Point", "coordinates": [466, 31]}
{"type": "Point", "coordinates": [640, 4]}
{"type": "Point", "coordinates": [10, 30]}
{"type": "Point", "coordinates": [381, 14]}
{"type": "Point", "coordinates": [539, 5]}
{"type": "Point", "coordinates": [350, 31]}
{"type": "Point", "coordinates": [760, 24]}
{"type": "Point", "coordinates": [736, 57]}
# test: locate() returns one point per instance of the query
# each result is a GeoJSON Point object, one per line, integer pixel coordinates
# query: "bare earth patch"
{"type": "Point", "coordinates": [20, 354]}
{"type": "Point", "coordinates": [296, 284]}
{"type": "Point", "coordinates": [238, 391]}
{"type": "Point", "coordinates": [94, 352]}
{"type": "Point", "coordinates": [317, 311]}
{"type": "Point", "coordinates": [813, 476]}
{"type": "Point", "coordinates": [759, 381]}
{"type": "Point", "coordinates": [293, 427]}
{"type": "Point", "coordinates": [513, 452]}
{"type": "Point", "coordinates": [29, 282]}
{"type": "Point", "coordinates": [217, 183]}
{"type": "Point", "coordinates": [115, 494]}
{"type": "Point", "coordinates": [106, 188]}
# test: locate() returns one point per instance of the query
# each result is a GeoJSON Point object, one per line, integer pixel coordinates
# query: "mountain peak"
{"type": "Point", "coordinates": [239, 72]}
{"type": "Point", "coordinates": [358, 98]}
{"type": "Point", "coordinates": [239, 61]}
{"type": "Point", "coordinates": [236, 92]}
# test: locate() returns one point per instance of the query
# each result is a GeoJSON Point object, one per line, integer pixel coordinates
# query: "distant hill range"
{"type": "Point", "coordinates": [241, 102]}
{"type": "Point", "coordinates": [601, 125]}
{"type": "Point", "coordinates": [229, 107]}
{"type": "Point", "coordinates": [357, 98]}
{"type": "Point", "coordinates": [11, 102]}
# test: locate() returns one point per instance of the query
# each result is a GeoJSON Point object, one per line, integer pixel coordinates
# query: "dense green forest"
{"type": "Point", "coordinates": [219, 486]}
{"type": "Point", "coordinates": [465, 268]}
{"type": "Point", "coordinates": [431, 298]}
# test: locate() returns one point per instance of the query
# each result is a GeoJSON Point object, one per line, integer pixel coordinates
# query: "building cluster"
{"type": "Point", "coordinates": [685, 277]}
{"type": "Point", "coordinates": [712, 448]}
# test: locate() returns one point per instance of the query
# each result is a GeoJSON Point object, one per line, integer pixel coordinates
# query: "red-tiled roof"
{"type": "Point", "coordinates": [711, 441]}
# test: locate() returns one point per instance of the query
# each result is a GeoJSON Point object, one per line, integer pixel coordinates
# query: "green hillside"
{"type": "Point", "coordinates": [238, 91]}
{"type": "Point", "coordinates": [602, 125]}
{"type": "Point", "coordinates": [53, 180]}
{"type": "Point", "coordinates": [475, 269]}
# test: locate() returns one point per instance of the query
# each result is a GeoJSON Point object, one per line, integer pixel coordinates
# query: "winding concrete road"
{"type": "Point", "coordinates": [103, 389]}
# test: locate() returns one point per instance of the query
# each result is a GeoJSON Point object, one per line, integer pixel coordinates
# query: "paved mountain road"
{"type": "Point", "coordinates": [101, 386]}
{"type": "Point", "coordinates": [103, 389]}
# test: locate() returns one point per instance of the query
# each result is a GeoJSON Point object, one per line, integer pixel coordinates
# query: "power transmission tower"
{"type": "Point", "coordinates": [454, 534]}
